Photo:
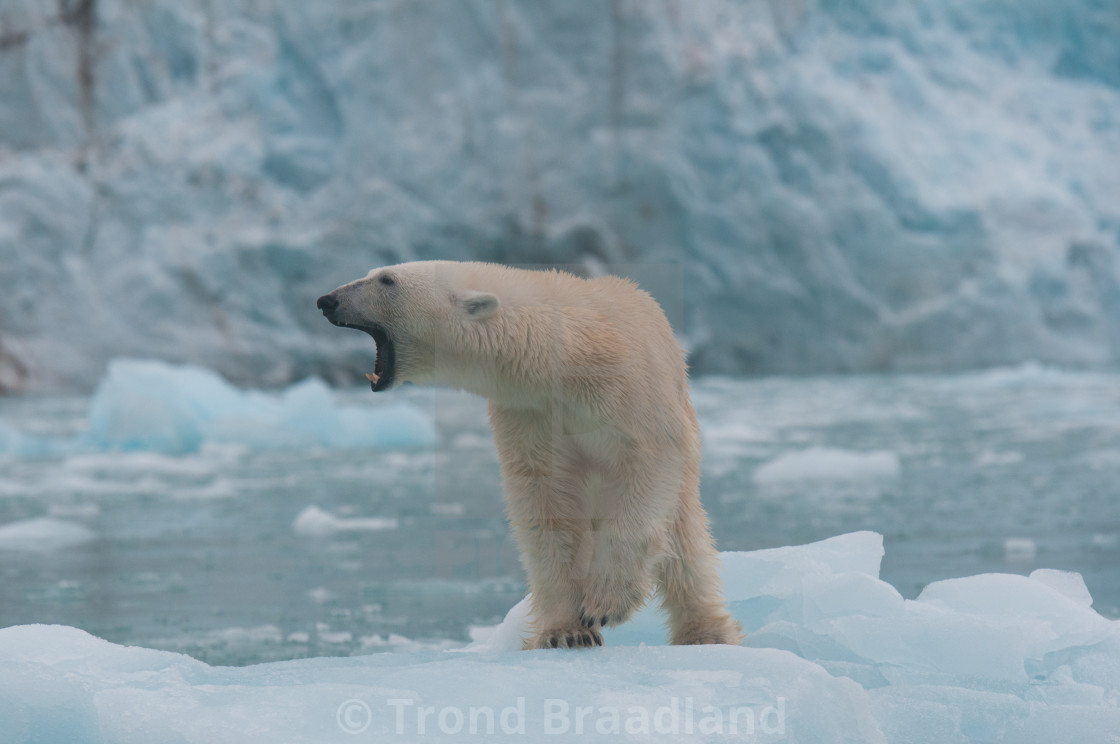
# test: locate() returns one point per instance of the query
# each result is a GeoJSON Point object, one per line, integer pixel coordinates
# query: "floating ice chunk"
{"type": "Point", "coordinates": [1101, 540]}
{"type": "Point", "coordinates": [989, 458]}
{"type": "Point", "coordinates": [43, 535]}
{"type": "Point", "coordinates": [13, 442]}
{"type": "Point", "coordinates": [1015, 374]}
{"type": "Point", "coordinates": [316, 522]}
{"type": "Point", "coordinates": [325, 635]}
{"type": "Point", "coordinates": [761, 586]}
{"type": "Point", "coordinates": [397, 642]}
{"type": "Point", "coordinates": [1018, 598]}
{"type": "Point", "coordinates": [1019, 549]}
{"type": "Point", "coordinates": [320, 595]}
{"type": "Point", "coordinates": [447, 509]}
{"type": "Point", "coordinates": [210, 456]}
{"type": "Point", "coordinates": [149, 405]}
{"type": "Point", "coordinates": [1068, 583]}
{"type": "Point", "coordinates": [219, 488]}
{"type": "Point", "coordinates": [823, 463]}
{"type": "Point", "coordinates": [231, 642]}
{"type": "Point", "coordinates": [471, 440]}
{"type": "Point", "coordinates": [781, 572]}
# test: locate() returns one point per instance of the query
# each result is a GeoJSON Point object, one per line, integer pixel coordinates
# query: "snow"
{"type": "Point", "coordinates": [832, 185]}
{"type": "Point", "coordinates": [824, 463]}
{"type": "Point", "coordinates": [150, 409]}
{"type": "Point", "coordinates": [833, 654]}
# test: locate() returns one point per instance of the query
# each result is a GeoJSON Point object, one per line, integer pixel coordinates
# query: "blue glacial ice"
{"type": "Point", "coordinates": [144, 405]}
{"type": "Point", "coordinates": [833, 655]}
{"type": "Point", "coordinates": [843, 185]}
{"type": "Point", "coordinates": [149, 405]}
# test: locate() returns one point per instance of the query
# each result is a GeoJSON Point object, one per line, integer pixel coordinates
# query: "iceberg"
{"type": "Point", "coordinates": [152, 406]}
{"type": "Point", "coordinates": [316, 522]}
{"type": "Point", "coordinates": [833, 654]}
{"type": "Point", "coordinates": [825, 463]}
{"type": "Point", "coordinates": [835, 186]}
{"type": "Point", "coordinates": [15, 442]}
{"type": "Point", "coordinates": [149, 405]}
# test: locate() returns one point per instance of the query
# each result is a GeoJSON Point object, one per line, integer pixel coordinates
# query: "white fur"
{"type": "Point", "coordinates": [597, 439]}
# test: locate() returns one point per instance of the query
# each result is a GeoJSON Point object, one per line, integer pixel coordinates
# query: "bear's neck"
{"type": "Point", "coordinates": [513, 358]}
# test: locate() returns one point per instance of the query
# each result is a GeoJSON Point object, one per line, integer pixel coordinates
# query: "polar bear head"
{"type": "Point", "coordinates": [415, 312]}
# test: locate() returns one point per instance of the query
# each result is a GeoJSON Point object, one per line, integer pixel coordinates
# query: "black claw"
{"type": "Point", "coordinates": [598, 640]}
{"type": "Point", "coordinates": [553, 642]}
{"type": "Point", "coordinates": [606, 619]}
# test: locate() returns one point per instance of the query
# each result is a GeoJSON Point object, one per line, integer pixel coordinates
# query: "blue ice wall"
{"type": "Point", "coordinates": [845, 184]}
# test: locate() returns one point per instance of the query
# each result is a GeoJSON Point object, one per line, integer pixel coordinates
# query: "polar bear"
{"type": "Point", "coordinates": [597, 439]}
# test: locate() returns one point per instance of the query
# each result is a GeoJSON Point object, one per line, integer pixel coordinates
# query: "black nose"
{"type": "Point", "coordinates": [328, 303]}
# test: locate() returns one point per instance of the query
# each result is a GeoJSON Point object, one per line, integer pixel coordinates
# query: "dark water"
{"type": "Point", "coordinates": [1003, 471]}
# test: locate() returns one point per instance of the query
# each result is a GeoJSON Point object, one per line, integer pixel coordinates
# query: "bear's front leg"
{"type": "Point", "coordinates": [555, 553]}
{"type": "Point", "coordinates": [554, 538]}
{"type": "Point", "coordinates": [620, 576]}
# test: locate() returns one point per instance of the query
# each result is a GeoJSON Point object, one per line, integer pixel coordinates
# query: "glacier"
{"type": "Point", "coordinates": [833, 654]}
{"type": "Point", "coordinates": [832, 186]}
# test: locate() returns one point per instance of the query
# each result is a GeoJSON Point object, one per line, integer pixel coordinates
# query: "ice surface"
{"type": "Point", "coordinates": [844, 185]}
{"type": "Point", "coordinates": [823, 463]}
{"type": "Point", "coordinates": [833, 654]}
{"type": "Point", "coordinates": [1068, 583]}
{"type": "Point", "coordinates": [154, 407]}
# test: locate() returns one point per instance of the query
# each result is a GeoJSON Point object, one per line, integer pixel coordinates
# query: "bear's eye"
{"type": "Point", "coordinates": [386, 280]}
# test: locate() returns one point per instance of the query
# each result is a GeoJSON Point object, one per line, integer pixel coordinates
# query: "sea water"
{"type": "Point", "coordinates": [253, 546]}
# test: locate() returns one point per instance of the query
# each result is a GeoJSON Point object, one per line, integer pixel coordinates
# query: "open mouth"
{"type": "Point", "coordinates": [384, 369]}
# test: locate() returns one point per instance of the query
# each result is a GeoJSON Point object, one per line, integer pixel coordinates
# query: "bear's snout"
{"type": "Point", "coordinates": [328, 303]}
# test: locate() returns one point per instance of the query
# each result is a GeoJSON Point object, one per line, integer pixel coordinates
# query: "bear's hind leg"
{"type": "Point", "coordinates": [688, 579]}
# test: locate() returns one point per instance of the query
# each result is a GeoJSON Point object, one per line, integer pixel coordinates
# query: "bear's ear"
{"type": "Point", "coordinates": [477, 305]}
